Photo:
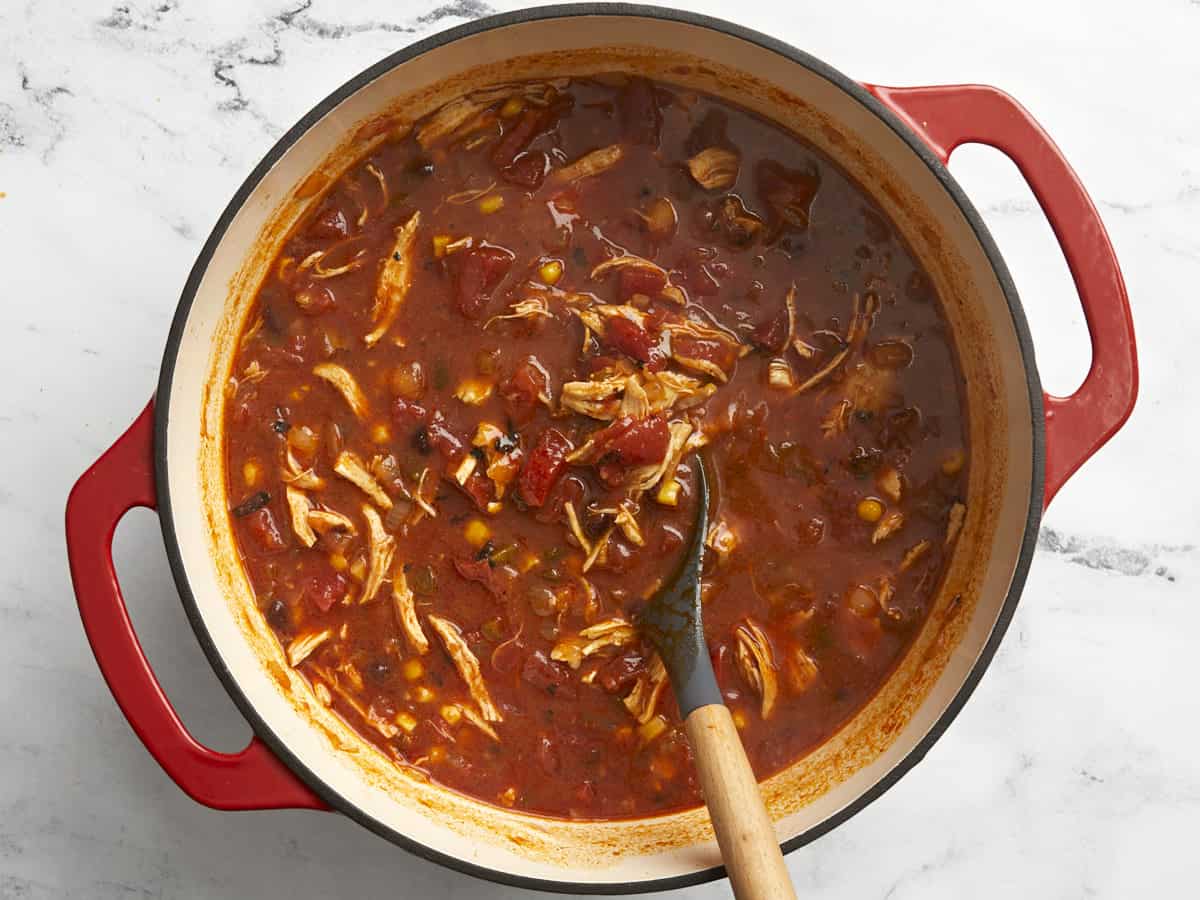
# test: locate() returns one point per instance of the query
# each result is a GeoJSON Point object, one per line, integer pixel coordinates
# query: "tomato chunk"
{"type": "Point", "coordinates": [262, 525]}
{"type": "Point", "coordinates": [635, 342]}
{"type": "Point", "coordinates": [477, 273]}
{"type": "Point", "coordinates": [640, 114]}
{"type": "Point", "coordinates": [325, 589]}
{"type": "Point", "coordinates": [634, 442]}
{"type": "Point", "coordinates": [543, 467]}
{"type": "Point", "coordinates": [523, 391]}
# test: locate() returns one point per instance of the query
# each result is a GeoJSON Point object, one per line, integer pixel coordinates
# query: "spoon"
{"type": "Point", "coordinates": [671, 621]}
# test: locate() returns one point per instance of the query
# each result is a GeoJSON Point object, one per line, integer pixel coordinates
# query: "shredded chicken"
{"type": "Point", "coordinates": [381, 548]}
{"type": "Point", "coordinates": [324, 521]}
{"type": "Point", "coordinates": [646, 477]}
{"type": "Point", "coordinates": [863, 313]}
{"type": "Point", "coordinates": [913, 554]}
{"type": "Point", "coordinates": [295, 474]}
{"type": "Point", "coordinates": [599, 398]}
{"type": "Point", "coordinates": [615, 632]}
{"type": "Point", "coordinates": [756, 662]}
{"type": "Point", "coordinates": [800, 670]}
{"type": "Point", "coordinates": [625, 518]}
{"type": "Point", "coordinates": [395, 278]}
{"type": "Point", "coordinates": [954, 524]}
{"type": "Point", "coordinates": [480, 722]}
{"type": "Point", "coordinates": [467, 665]}
{"type": "Point", "coordinates": [530, 308]}
{"type": "Point", "coordinates": [888, 525]}
{"type": "Point", "coordinates": [888, 480]}
{"type": "Point", "coordinates": [350, 467]}
{"type": "Point", "coordinates": [406, 610]}
{"type": "Point", "coordinates": [576, 529]}
{"type": "Point", "coordinates": [457, 117]}
{"type": "Point", "coordinates": [419, 495]}
{"type": "Point", "coordinates": [886, 593]}
{"type": "Point", "coordinates": [714, 168]}
{"type": "Point", "coordinates": [345, 384]}
{"type": "Point", "coordinates": [300, 506]}
{"type": "Point", "coordinates": [722, 539]}
{"type": "Point", "coordinates": [836, 419]}
{"type": "Point", "coordinates": [303, 646]}
{"type": "Point", "coordinates": [502, 465]}
{"type": "Point", "coordinates": [599, 551]}
{"type": "Point", "coordinates": [643, 699]}
{"type": "Point", "coordinates": [590, 164]}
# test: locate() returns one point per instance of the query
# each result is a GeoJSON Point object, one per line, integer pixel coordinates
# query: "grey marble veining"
{"type": "Point", "coordinates": [125, 128]}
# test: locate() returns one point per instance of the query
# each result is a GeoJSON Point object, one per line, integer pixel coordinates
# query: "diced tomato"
{"type": "Point", "coordinates": [599, 363]}
{"type": "Point", "coordinates": [528, 170]}
{"type": "Point", "coordinates": [640, 114]}
{"type": "Point", "coordinates": [619, 673]}
{"type": "Point", "coordinates": [262, 526]}
{"type": "Point", "coordinates": [700, 282]}
{"type": "Point", "coordinates": [330, 224]}
{"type": "Point", "coordinates": [771, 334]}
{"type": "Point", "coordinates": [439, 437]}
{"type": "Point", "coordinates": [552, 677]}
{"type": "Point", "coordinates": [481, 572]}
{"type": "Point", "coordinates": [405, 412]}
{"type": "Point", "coordinates": [717, 352]}
{"type": "Point", "coordinates": [518, 136]}
{"type": "Point", "coordinates": [315, 299]}
{"type": "Point", "coordinates": [633, 442]}
{"type": "Point", "coordinates": [325, 589]}
{"type": "Point", "coordinates": [787, 193]}
{"type": "Point", "coordinates": [640, 281]}
{"type": "Point", "coordinates": [522, 392]}
{"type": "Point", "coordinates": [543, 467]}
{"type": "Point", "coordinates": [477, 273]}
{"type": "Point", "coordinates": [479, 488]}
{"type": "Point", "coordinates": [635, 342]}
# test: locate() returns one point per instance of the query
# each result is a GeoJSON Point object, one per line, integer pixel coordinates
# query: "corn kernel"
{"type": "Point", "coordinates": [494, 507]}
{"type": "Point", "coordinates": [477, 533]}
{"type": "Point", "coordinates": [437, 754]}
{"type": "Point", "coordinates": [421, 694]}
{"type": "Point", "coordinates": [440, 242]}
{"type": "Point", "coordinates": [739, 718]}
{"type": "Point", "coordinates": [528, 561]}
{"type": "Point", "coordinates": [412, 669]}
{"type": "Point", "coordinates": [252, 473]}
{"type": "Point", "coordinates": [953, 462]}
{"type": "Point", "coordinates": [474, 391]}
{"type": "Point", "coordinates": [452, 713]}
{"type": "Point", "coordinates": [550, 271]}
{"type": "Point", "coordinates": [652, 729]}
{"type": "Point", "coordinates": [668, 493]}
{"type": "Point", "coordinates": [380, 433]}
{"type": "Point", "coordinates": [338, 562]}
{"type": "Point", "coordinates": [512, 107]}
{"type": "Point", "coordinates": [509, 797]}
{"type": "Point", "coordinates": [406, 720]}
{"type": "Point", "coordinates": [490, 204]}
{"type": "Point", "coordinates": [358, 569]}
{"type": "Point", "coordinates": [870, 510]}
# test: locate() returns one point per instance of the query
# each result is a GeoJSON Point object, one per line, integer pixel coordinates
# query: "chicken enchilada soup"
{"type": "Point", "coordinates": [470, 398]}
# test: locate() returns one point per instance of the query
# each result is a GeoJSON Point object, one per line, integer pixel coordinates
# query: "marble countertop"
{"type": "Point", "coordinates": [1072, 772]}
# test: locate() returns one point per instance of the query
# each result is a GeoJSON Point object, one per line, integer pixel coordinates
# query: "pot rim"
{"type": "Point", "coordinates": [561, 11]}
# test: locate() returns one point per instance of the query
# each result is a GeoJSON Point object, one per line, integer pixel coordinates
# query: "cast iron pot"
{"type": "Point", "coordinates": [895, 142]}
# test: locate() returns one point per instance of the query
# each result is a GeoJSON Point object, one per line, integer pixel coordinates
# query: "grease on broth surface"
{"type": "Point", "coordinates": [467, 407]}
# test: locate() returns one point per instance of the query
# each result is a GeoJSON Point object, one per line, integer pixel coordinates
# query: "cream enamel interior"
{"type": "Point", "coordinates": [998, 402]}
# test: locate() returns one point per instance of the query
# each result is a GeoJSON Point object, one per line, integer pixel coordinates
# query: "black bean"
{"type": "Point", "coordinates": [278, 616]}
{"type": "Point", "coordinates": [253, 503]}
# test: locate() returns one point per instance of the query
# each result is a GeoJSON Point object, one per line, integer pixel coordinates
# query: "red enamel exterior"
{"type": "Point", "coordinates": [123, 478]}
{"type": "Point", "coordinates": [1076, 426]}
{"type": "Point", "coordinates": [947, 117]}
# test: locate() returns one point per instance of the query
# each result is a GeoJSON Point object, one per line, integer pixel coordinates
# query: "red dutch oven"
{"type": "Point", "coordinates": [1024, 443]}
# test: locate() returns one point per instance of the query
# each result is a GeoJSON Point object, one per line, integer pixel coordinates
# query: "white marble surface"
{"type": "Point", "coordinates": [124, 129]}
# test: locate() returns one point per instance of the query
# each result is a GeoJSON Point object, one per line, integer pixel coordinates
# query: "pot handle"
{"type": "Point", "coordinates": [120, 480]}
{"type": "Point", "coordinates": [946, 117]}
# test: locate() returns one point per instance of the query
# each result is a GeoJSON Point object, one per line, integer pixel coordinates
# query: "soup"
{"type": "Point", "coordinates": [470, 399]}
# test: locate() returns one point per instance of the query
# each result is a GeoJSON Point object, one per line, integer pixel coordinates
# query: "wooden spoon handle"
{"type": "Point", "coordinates": [739, 817]}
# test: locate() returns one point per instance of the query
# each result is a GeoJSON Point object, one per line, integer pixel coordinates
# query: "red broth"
{"type": "Point", "coordinates": [469, 402]}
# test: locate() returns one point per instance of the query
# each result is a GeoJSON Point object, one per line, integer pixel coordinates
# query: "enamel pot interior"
{"type": "Point", "coordinates": [979, 591]}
